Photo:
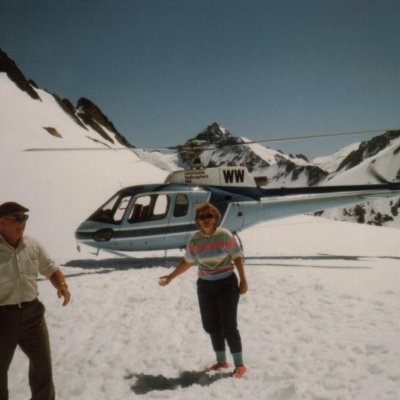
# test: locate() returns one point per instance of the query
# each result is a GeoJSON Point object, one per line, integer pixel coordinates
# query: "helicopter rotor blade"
{"type": "Point", "coordinates": [290, 138]}
{"type": "Point", "coordinates": [273, 140]}
{"type": "Point", "coordinates": [203, 147]}
{"type": "Point", "coordinates": [320, 135]}
{"type": "Point", "coordinates": [78, 148]}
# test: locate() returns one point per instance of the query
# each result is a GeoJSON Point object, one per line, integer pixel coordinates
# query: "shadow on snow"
{"type": "Point", "coordinates": [104, 266]}
{"type": "Point", "coordinates": [148, 383]}
{"type": "Point", "coordinates": [124, 263]}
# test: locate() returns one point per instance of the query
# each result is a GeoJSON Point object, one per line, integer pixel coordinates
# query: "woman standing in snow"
{"type": "Point", "coordinates": [216, 253]}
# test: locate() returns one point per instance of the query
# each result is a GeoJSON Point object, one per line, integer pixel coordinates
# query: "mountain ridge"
{"type": "Point", "coordinates": [211, 147]}
{"type": "Point", "coordinates": [85, 113]}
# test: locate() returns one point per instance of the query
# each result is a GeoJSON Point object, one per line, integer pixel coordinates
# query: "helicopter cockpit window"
{"type": "Point", "coordinates": [149, 207]}
{"type": "Point", "coordinates": [113, 211]}
{"type": "Point", "coordinates": [181, 205]}
{"type": "Point", "coordinates": [120, 210]}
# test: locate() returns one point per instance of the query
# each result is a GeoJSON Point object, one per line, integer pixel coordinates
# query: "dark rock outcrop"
{"type": "Point", "coordinates": [68, 108]}
{"type": "Point", "coordinates": [368, 148]}
{"type": "Point", "coordinates": [13, 72]}
{"type": "Point", "coordinates": [91, 115]}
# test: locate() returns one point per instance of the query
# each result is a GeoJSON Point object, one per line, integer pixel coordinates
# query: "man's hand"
{"type": "Point", "coordinates": [58, 281]}
{"type": "Point", "coordinates": [63, 291]}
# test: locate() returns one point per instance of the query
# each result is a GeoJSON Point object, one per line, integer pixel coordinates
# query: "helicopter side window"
{"type": "Point", "coordinates": [135, 214]}
{"type": "Point", "coordinates": [113, 211]}
{"type": "Point", "coordinates": [149, 207]}
{"type": "Point", "coordinates": [181, 205]}
{"type": "Point", "coordinates": [160, 206]}
{"type": "Point", "coordinates": [140, 209]}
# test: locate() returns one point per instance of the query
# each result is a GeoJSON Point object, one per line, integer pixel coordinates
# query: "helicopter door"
{"type": "Point", "coordinates": [234, 218]}
{"type": "Point", "coordinates": [181, 221]}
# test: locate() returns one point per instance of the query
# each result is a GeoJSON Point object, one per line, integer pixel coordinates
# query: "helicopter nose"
{"type": "Point", "coordinates": [103, 235]}
{"type": "Point", "coordinates": [89, 231]}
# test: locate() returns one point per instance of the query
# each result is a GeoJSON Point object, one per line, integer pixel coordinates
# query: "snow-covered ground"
{"type": "Point", "coordinates": [320, 321]}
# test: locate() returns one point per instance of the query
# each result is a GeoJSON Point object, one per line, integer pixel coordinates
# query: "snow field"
{"type": "Point", "coordinates": [304, 337]}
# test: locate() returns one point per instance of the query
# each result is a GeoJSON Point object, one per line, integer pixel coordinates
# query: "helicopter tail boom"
{"type": "Point", "coordinates": [281, 203]}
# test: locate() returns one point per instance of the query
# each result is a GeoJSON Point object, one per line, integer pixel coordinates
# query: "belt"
{"type": "Point", "coordinates": [18, 306]}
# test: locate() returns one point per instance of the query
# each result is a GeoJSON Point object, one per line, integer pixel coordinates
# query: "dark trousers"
{"type": "Point", "coordinates": [218, 301]}
{"type": "Point", "coordinates": [26, 327]}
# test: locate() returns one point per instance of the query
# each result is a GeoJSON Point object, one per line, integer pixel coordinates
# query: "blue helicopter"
{"type": "Point", "coordinates": [161, 216]}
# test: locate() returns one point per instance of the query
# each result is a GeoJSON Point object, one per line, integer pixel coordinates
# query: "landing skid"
{"type": "Point", "coordinates": [126, 256]}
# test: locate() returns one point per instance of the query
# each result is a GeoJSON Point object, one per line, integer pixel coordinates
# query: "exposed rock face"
{"type": "Point", "coordinates": [368, 148]}
{"type": "Point", "coordinates": [92, 115]}
{"type": "Point", "coordinates": [221, 146]}
{"type": "Point", "coordinates": [214, 134]}
{"type": "Point", "coordinates": [10, 68]}
{"type": "Point", "coordinates": [68, 107]}
{"type": "Point", "coordinates": [313, 173]}
{"type": "Point", "coordinates": [52, 131]}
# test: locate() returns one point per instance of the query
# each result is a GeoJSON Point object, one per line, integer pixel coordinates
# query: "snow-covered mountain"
{"type": "Point", "coordinates": [87, 117]}
{"type": "Point", "coordinates": [31, 117]}
{"type": "Point", "coordinates": [216, 146]}
{"type": "Point", "coordinates": [372, 161]}
{"type": "Point", "coordinates": [367, 162]}
{"type": "Point", "coordinates": [222, 148]}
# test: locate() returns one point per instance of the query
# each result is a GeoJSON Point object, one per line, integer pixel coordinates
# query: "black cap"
{"type": "Point", "coordinates": [11, 207]}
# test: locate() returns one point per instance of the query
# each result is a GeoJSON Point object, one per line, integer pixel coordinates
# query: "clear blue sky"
{"type": "Point", "coordinates": [162, 70]}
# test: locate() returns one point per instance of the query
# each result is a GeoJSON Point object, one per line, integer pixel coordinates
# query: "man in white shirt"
{"type": "Point", "coordinates": [22, 321]}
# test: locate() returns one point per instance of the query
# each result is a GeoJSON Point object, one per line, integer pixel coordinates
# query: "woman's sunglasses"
{"type": "Point", "coordinates": [205, 217]}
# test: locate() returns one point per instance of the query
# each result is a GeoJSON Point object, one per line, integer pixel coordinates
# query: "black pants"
{"type": "Point", "coordinates": [218, 302]}
{"type": "Point", "coordinates": [26, 327]}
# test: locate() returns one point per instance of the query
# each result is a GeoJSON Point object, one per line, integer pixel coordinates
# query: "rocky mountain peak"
{"type": "Point", "coordinates": [230, 150]}
{"type": "Point", "coordinates": [13, 72]}
{"type": "Point", "coordinates": [214, 134]}
{"type": "Point", "coordinates": [87, 109]}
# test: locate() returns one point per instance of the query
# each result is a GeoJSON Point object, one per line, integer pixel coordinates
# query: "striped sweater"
{"type": "Point", "coordinates": [214, 254]}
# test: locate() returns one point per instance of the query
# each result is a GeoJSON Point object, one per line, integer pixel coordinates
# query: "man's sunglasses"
{"type": "Point", "coordinates": [205, 217]}
{"type": "Point", "coordinates": [19, 217]}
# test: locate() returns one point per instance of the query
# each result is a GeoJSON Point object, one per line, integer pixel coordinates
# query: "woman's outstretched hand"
{"type": "Point", "coordinates": [164, 280]}
{"type": "Point", "coordinates": [180, 269]}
